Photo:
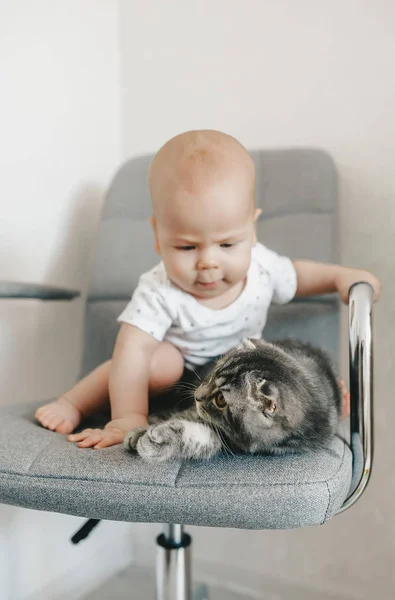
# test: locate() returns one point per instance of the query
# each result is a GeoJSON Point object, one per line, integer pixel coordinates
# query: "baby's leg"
{"type": "Point", "coordinates": [166, 368]}
{"type": "Point", "coordinates": [86, 397]}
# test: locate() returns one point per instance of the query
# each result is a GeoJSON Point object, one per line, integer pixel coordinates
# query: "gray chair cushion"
{"type": "Point", "coordinates": [40, 469]}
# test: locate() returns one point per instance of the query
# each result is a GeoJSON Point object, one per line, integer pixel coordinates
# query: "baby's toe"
{"type": "Point", "coordinates": [41, 414]}
{"type": "Point", "coordinates": [52, 420]}
{"type": "Point", "coordinates": [44, 418]}
{"type": "Point", "coordinates": [64, 426]}
{"type": "Point", "coordinates": [49, 419]}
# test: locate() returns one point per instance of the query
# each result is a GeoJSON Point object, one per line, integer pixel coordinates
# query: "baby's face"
{"type": "Point", "coordinates": [205, 238]}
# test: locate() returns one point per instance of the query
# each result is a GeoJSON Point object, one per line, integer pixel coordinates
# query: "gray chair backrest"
{"type": "Point", "coordinates": [297, 192]}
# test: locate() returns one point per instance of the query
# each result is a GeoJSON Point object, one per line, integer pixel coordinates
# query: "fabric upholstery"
{"type": "Point", "coordinates": [42, 470]}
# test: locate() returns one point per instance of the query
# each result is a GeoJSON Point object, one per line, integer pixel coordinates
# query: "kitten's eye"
{"type": "Point", "coordinates": [219, 400]}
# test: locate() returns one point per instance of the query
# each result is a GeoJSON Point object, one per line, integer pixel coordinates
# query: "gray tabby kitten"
{"type": "Point", "coordinates": [260, 397]}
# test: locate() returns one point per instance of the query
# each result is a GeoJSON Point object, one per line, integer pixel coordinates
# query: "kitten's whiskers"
{"type": "Point", "coordinates": [197, 375]}
{"type": "Point", "coordinates": [223, 442]}
{"type": "Point", "coordinates": [217, 431]}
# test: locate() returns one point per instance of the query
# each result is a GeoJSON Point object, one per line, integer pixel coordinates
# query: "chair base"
{"type": "Point", "coordinates": [173, 567]}
{"type": "Point", "coordinates": [173, 564]}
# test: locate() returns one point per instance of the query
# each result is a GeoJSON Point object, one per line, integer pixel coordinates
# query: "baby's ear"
{"type": "Point", "coordinates": [258, 212]}
{"type": "Point", "coordinates": [152, 220]}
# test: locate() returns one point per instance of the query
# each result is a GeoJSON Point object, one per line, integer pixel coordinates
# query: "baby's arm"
{"type": "Point", "coordinates": [128, 387]}
{"type": "Point", "coordinates": [319, 278]}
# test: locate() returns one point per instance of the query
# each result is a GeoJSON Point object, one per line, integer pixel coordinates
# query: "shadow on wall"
{"type": "Point", "coordinates": [40, 343]}
{"type": "Point", "coordinates": [70, 265]}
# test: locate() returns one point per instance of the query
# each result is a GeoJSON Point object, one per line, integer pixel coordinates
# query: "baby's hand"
{"type": "Point", "coordinates": [347, 277]}
{"type": "Point", "coordinates": [98, 438]}
{"type": "Point", "coordinates": [114, 433]}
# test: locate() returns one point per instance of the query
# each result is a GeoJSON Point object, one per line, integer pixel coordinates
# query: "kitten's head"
{"type": "Point", "coordinates": [253, 394]}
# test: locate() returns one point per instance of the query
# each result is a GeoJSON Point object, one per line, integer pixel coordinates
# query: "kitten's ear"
{"type": "Point", "coordinates": [267, 389]}
{"type": "Point", "coordinates": [260, 386]}
{"type": "Point", "coordinates": [270, 407]}
{"type": "Point", "coordinates": [246, 344]}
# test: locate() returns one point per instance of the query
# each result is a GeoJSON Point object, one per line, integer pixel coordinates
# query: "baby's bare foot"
{"type": "Point", "coordinates": [61, 416]}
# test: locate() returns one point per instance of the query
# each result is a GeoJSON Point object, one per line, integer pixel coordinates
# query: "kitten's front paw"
{"type": "Point", "coordinates": [160, 442]}
{"type": "Point", "coordinates": [131, 439]}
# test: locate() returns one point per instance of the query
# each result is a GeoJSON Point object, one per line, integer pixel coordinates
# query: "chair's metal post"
{"type": "Point", "coordinates": [173, 565]}
{"type": "Point", "coordinates": [361, 388]}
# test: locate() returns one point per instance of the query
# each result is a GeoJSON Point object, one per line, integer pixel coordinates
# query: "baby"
{"type": "Point", "coordinates": [212, 289]}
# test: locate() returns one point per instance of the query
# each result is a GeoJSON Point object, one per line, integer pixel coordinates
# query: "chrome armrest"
{"type": "Point", "coordinates": [361, 388]}
{"type": "Point", "coordinates": [9, 289]}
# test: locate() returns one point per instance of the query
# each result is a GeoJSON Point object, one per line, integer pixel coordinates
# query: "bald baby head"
{"type": "Point", "coordinates": [202, 186]}
{"type": "Point", "coordinates": [191, 165]}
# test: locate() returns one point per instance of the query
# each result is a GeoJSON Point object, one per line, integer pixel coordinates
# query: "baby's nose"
{"type": "Point", "coordinates": [206, 262]}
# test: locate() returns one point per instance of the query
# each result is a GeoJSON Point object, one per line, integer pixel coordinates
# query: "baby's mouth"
{"type": "Point", "coordinates": [210, 284]}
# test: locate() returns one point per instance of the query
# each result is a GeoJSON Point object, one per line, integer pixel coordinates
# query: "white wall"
{"type": "Point", "coordinates": [284, 73]}
{"type": "Point", "coordinates": [59, 144]}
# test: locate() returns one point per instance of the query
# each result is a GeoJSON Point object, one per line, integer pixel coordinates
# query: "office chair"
{"type": "Point", "coordinates": [297, 191]}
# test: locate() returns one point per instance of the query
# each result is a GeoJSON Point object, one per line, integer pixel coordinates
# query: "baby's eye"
{"type": "Point", "coordinates": [186, 248]}
{"type": "Point", "coordinates": [227, 245]}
